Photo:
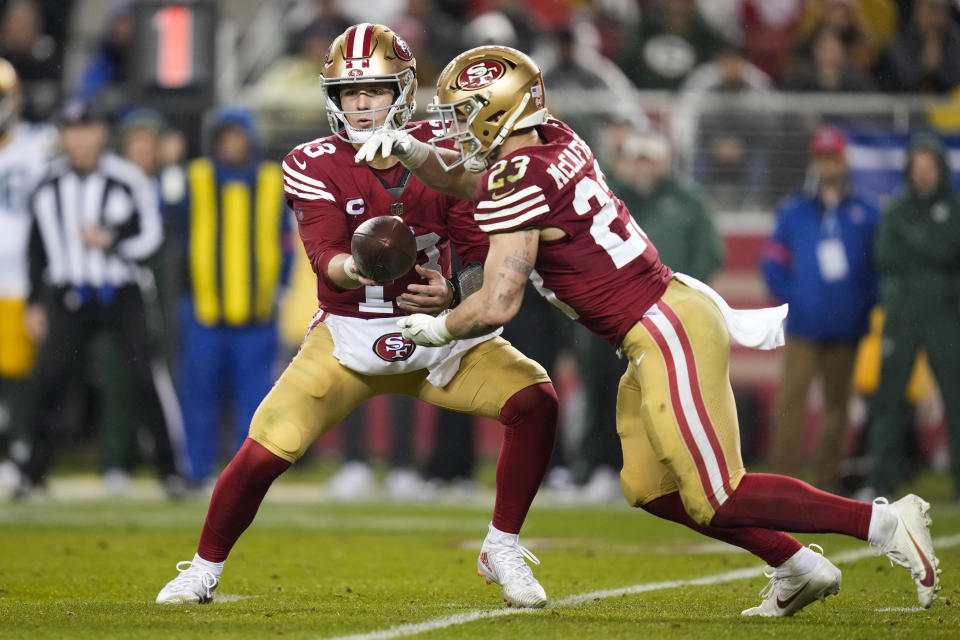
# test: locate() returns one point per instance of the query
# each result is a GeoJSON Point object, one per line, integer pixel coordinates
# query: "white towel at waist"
{"type": "Point", "coordinates": [754, 328]}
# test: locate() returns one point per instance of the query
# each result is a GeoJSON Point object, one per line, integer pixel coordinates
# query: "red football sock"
{"type": "Point", "coordinates": [787, 504]}
{"type": "Point", "coordinates": [529, 418]}
{"type": "Point", "coordinates": [236, 498]}
{"type": "Point", "coordinates": [773, 547]}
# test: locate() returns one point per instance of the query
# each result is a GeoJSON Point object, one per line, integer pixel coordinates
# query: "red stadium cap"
{"type": "Point", "coordinates": [828, 141]}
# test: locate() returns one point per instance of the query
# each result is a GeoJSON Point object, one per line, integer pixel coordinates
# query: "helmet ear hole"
{"type": "Point", "coordinates": [495, 118]}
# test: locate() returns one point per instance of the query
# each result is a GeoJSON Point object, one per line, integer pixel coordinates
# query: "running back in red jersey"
{"type": "Point", "coordinates": [332, 195]}
{"type": "Point", "coordinates": [604, 272]}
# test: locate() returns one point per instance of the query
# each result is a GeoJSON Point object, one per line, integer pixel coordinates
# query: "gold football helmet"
{"type": "Point", "coordinates": [9, 95]}
{"type": "Point", "coordinates": [369, 53]}
{"type": "Point", "coordinates": [483, 96]}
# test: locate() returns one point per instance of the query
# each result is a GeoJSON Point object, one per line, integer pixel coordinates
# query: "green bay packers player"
{"type": "Point", "coordinates": [24, 151]}
{"type": "Point", "coordinates": [550, 217]}
{"type": "Point", "coordinates": [355, 351]}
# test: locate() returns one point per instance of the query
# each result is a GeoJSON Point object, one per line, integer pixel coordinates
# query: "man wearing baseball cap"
{"type": "Point", "coordinates": [819, 260]}
{"type": "Point", "coordinates": [918, 254]}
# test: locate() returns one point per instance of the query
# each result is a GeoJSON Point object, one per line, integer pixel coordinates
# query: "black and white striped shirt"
{"type": "Point", "coordinates": [118, 197]}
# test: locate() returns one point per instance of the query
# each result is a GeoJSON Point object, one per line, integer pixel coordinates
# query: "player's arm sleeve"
{"type": "Point", "coordinates": [321, 223]}
{"type": "Point", "coordinates": [777, 261]}
{"type": "Point", "coordinates": [324, 233]}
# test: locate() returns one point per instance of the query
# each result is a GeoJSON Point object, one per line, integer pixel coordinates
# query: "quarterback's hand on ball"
{"type": "Point", "coordinates": [428, 331]}
{"type": "Point", "coordinates": [393, 142]}
{"type": "Point", "coordinates": [350, 268]}
{"type": "Point", "coordinates": [431, 298]}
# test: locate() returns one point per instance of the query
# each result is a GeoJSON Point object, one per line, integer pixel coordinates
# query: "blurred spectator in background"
{"type": "Point", "coordinates": [235, 235]}
{"type": "Point", "coordinates": [428, 29]}
{"type": "Point", "coordinates": [292, 79]}
{"type": "Point", "coordinates": [312, 12]}
{"type": "Point", "coordinates": [614, 20]}
{"type": "Point", "coordinates": [107, 69]}
{"type": "Point", "coordinates": [36, 55]}
{"type": "Point", "coordinates": [769, 33]}
{"type": "Point", "coordinates": [526, 29]}
{"type": "Point", "coordinates": [146, 140]}
{"type": "Point", "coordinates": [820, 261]}
{"type": "Point", "coordinates": [492, 27]}
{"type": "Point", "coordinates": [731, 141]}
{"type": "Point", "coordinates": [827, 67]}
{"type": "Point", "coordinates": [866, 27]}
{"type": "Point", "coordinates": [671, 42]}
{"type": "Point", "coordinates": [24, 149]}
{"type": "Point", "coordinates": [95, 222]}
{"type": "Point", "coordinates": [918, 254]}
{"type": "Point", "coordinates": [140, 139]}
{"type": "Point", "coordinates": [924, 57]}
{"type": "Point", "coordinates": [674, 215]}
{"type": "Point", "coordinates": [594, 89]}
{"type": "Point", "coordinates": [671, 210]}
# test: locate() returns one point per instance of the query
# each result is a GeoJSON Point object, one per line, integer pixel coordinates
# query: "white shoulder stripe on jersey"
{"type": "Point", "coordinates": [503, 202]}
{"type": "Point", "coordinates": [287, 170]}
{"type": "Point", "coordinates": [511, 211]}
{"type": "Point", "coordinates": [303, 187]}
{"type": "Point", "coordinates": [308, 196]}
{"type": "Point", "coordinates": [512, 222]}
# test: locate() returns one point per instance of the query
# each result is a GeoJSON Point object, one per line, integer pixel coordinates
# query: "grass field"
{"type": "Point", "coordinates": [91, 568]}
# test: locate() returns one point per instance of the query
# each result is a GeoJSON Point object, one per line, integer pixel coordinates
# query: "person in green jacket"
{"type": "Point", "coordinates": [671, 211]}
{"type": "Point", "coordinates": [917, 251]}
{"type": "Point", "coordinates": [675, 216]}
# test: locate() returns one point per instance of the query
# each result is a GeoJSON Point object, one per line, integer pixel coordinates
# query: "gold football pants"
{"type": "Point", "coordinates": [675, 412]}
{"type": "Point", "coordinates": [316, 392]}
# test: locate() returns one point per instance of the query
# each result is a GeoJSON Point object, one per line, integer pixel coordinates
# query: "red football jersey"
{"type": "Point", "coordinates": [605, 273]}
{"type": "Point", "coordinates": [332, 195]}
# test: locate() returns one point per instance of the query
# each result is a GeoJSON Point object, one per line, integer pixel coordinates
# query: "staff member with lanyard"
{"type": "Point", "coordinates": [95, 221]}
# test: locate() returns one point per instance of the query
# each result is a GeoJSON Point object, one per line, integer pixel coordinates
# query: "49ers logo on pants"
{"type": "Point", "coordinates": [393, 347]}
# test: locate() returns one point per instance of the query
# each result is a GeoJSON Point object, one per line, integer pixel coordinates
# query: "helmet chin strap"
{"type": "Point", "coordinates": [359, 136]}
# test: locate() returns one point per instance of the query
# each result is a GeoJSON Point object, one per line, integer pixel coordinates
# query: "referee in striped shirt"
{"type": "Point", "coordinates": [95, 222]}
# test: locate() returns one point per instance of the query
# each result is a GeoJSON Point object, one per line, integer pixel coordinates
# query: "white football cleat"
{"type": "Point", "coordinates": [786, 595]}
{"type": "Point", "coordinates": [502, 561]}
{"type": "Point", "coordinates": [911, 546]}
{"type": "Point", "coordinates": [196, 584]}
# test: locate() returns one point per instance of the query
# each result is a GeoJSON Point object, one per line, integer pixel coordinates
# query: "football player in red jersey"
{"type": "Point", "coordinates": [354, 350]}
{"type": "Point", "coordinates": [540, 196]}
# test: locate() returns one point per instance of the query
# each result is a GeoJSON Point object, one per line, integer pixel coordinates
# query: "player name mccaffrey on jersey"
{"type": "Point", "coordinates": [571, 160]}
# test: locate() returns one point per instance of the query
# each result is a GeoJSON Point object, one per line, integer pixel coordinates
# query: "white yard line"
{"type": "Point", "coordinates": [404, 630]}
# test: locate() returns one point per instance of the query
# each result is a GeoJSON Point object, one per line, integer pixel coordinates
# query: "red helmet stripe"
{"type": "Point", "coordinates": [367, 39]}
{"type": "Point", "coordinates": [358, 40]}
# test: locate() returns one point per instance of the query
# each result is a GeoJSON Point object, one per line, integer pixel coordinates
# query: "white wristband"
{"type": "Point", "coordinates": [439, 326]}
